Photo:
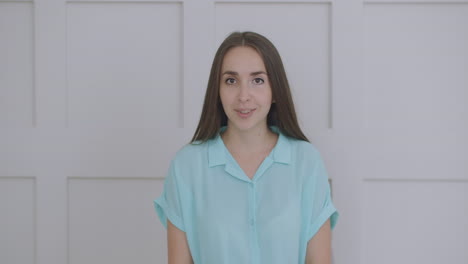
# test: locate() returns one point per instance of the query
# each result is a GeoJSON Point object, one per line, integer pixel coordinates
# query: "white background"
{"type": "Point", "coordinates": [97, 96]}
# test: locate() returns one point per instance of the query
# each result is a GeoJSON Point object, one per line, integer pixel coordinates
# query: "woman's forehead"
{"type": "Point", "coordinates": [243, 59]}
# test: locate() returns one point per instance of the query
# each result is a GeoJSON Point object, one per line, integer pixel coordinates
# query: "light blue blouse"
{"type": "Point", "coordinates": [230, 218]}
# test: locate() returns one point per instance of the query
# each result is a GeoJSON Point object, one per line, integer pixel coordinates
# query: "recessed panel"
{"type": "Point", "coordinates": [416, 101]}
{"type": "Point", "coordinates": [122, 152]}
{"type": "Point", "coordinates": [17, 220]}
{"type": "Point", "coordinates": [300, 32]}
{"type": "Point", "coordinates": [415, 222]}
{"type": "Point", "coordinates": [124, 64]}
{"type": "Point", "coordinates": [113, 221]}
{"type": "Point", "coordinates": [16, 64]}
{"type": "Point", "coordinates": [18, 150]}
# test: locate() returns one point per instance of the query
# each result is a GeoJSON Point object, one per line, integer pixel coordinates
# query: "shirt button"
{"type": "Point", "coordinates": [252, 222]}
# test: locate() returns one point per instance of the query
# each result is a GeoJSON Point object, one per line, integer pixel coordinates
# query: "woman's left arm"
{"type": "Point", "coordinates": [319, 246]}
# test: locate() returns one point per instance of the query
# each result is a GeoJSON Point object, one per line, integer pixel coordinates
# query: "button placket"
{"type": "Point", "coordinates": [252, 222]}
{"type": "Point", "coordinates": [252, 205]}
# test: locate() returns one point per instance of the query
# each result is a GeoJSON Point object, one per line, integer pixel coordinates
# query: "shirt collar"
{"type": "Point", "coordinates": [281, 153]}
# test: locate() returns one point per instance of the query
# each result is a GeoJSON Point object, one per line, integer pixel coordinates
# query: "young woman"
{"type": "Point", "coordinates": [249, 188]}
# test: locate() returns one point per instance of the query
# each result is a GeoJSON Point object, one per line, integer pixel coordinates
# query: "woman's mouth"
{"type": "Point", "coordinates": [244, 113]}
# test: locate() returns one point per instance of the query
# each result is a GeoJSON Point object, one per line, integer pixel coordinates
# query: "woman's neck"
{"type": "Point", "coordinates": [260, 140]}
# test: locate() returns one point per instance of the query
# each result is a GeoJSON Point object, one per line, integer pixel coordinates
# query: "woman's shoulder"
{"type": "Point", "coordinates": [304, 154]}
{"type": "Point", "coordinates": [308, 160]}
{"type": "Point", "coordinates": [302, 147]}
{"type": "Point", "coordinates": [191, 151]}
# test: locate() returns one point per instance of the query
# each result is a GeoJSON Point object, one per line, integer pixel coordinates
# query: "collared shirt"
{"type": "Point", "coordinates": [229, 218]}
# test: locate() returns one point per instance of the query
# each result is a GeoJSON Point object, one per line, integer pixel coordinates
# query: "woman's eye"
{"type": "Point", "coordinates": [258, 81]}
{"type": "Point", "coordinates": [230, 81]}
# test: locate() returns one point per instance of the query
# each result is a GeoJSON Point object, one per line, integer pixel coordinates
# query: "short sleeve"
{"type": "Point", "coordinates": [318, 200]}
{"type": "Point", "coordinates": [168, 205]}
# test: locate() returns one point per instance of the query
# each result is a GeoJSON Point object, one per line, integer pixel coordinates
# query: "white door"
{"type": "Point", "coordinates": [97, 96]}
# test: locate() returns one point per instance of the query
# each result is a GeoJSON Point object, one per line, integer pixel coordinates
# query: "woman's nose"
{"type": "Point", "coordinates": [244, 94]}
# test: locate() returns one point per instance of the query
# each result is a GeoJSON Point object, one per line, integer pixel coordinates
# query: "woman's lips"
{"type": "Point", "coordinates": [245, 113]}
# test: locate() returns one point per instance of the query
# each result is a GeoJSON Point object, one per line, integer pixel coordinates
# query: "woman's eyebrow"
{"type": "Point", "coordinates": [258, 73]}
{"type": "Point", "coordinates": [230, 73]}
{"type": "Point", "coordinates": [251, 74]}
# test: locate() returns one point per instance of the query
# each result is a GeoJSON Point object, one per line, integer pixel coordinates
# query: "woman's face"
{"type": "Point", "coordinates": [245, 89]}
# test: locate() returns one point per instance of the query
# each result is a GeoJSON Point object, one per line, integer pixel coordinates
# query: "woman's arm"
{"type": "Point", "coordinates": [319, 246]}
{"type": "Point", "coordinates": [177, 246]}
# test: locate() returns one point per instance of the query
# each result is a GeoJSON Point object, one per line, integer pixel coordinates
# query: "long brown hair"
{"type": "Point", "coordinates": [281, 114]}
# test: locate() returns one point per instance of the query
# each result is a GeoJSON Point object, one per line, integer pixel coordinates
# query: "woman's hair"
{"type": "Point", "coordinates": [281, 114]}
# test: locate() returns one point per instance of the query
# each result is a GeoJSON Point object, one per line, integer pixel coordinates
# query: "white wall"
{"type": "Point", "coordinates": [97, 96]}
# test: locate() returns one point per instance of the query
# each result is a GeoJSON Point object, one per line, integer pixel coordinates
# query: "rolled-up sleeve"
{"type": "Point", "coordinates": [168, 205]}
{"type": "Point", "coordinates": [318, 199]}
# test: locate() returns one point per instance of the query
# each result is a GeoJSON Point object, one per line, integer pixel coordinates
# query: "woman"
{"type": "Point", "coordinates": [249, 188]}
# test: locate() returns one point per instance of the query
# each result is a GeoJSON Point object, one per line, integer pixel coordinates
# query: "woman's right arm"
{"type": "Point", "coordinates": [177, 246]}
